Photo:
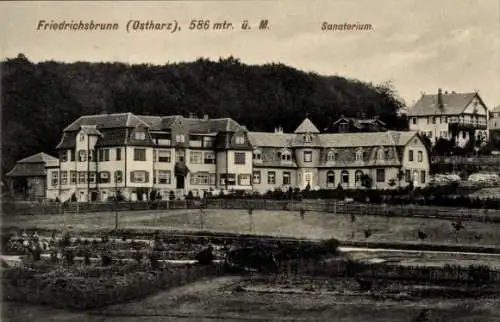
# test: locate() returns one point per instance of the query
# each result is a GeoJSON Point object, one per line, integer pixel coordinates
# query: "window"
{"type": "Point", "coordinates": [63, 156]}
{"type": "Point", "coordinates": [257, 155]}
{"type": "Point", "coordinates": [82, 177]}
{"type": "Point", "coordinates": [408, 175]}
{"type": "Point", "coordinates": [428, 119]}
{"type": "Point", "coordinates": [256, 177]}
{"type": "Point", "coordinates": [139, 176]}
{"type": "Point", "coordinates": [164, 177]}
{"type": "Point", "coordinates": [139, 154]}
{"type": "Point", "coordinates": [420, 156]}
{"type": "Point", "coordinates": [330, 156]}
{"type": "Point", "coordinates": [208, 142]}
{"type": "Point", "coordinates": [200, 178]}
{"type": "Point", "coordinates": [410, 155]}
{"type": "Point", "coordinates": [286, 156]}
{"type": "Point", "coordinates": [104, 155]}
{"type": "Point", "coordinates": [271, 177]}
{"type": "Point", "coordinates": [209, 158]}
{"type": "Point", "coordinates": [240, 140]}
{"type": "Point", "coordinates": [307, 156]}
{"type": "Point", "coordinates": [307, 138]}
{"type": "Point", "coordinates": [228, 179]}
{"type": "Point", "coordinates": [414, 120]}
{"type": "Point", "coordinates": [179, 138]}
{"type": "Point", "coordinates": [92, 156]}
{"type": "Point", "coordinates": [381, 154]}
{"type": "Point", "coordinates": [82, 137]}
{"type": "Point", "coordinates": [92, 177]}
{"type": "Point", "coordinates": [118, 176]}
{"type": "Point", "coordinates": [380, 175]}
{"type": "Point", "coordinates": [422, 176]}
{"type": "Point", "coordinates": [180, 156]}
{"type": "Point", "coordinates": [359, 155]}
{"type": "Point", "coordinates": [358, 176]}
{"type": "Point", "coordinates": [239, 157]}
{"type": "Point", "coordinates": [72, 177]}
{"type": "Point", "coordinates": [164, 156]}
{"type": "Point", "coordinates": [72, 155]}
{"type": "Point", "coordinates": [195, 157]}
{"type": "Point", "coordinates": [434, 119]}
{"type": "Point", "coordinates": [64, 178]}
{"type": "Point", "coordinates": [55, 178]}
{"type": "Point", "coordinates": [445, 119]}
{"type": "Point", "coordinates": [244, 179]}
{"type": "Point", "coordinates": [345, 177]}
{"type": "Point", "coordinates": [343, 127]}
{"type": "Point", "coordinates": [286, 178]}
{"type": "Point", "coordinates": [118, 154]}
{"type": "Point", "coordinates": [140, 135]}
{"type": "Point", "coordinates": [330, 178]}
{"type": "Point", "coordinates": [104, 177]}
{"type": "Point", "coordinates": [82, 156]}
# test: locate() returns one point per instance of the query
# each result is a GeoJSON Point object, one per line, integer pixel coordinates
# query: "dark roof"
{"type": "Point", "coordinates": [106, 121]}
{"type": "Point", "coordinates": [33, 165]}
{"type": "Point", "coordinates": [453, 104]}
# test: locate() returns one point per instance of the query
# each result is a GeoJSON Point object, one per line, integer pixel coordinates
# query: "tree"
{"type": "Point", "coordinates": [366, 181]}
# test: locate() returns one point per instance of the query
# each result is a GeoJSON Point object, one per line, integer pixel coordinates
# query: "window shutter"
{"type": "Point", "coordinates": [132, 178]}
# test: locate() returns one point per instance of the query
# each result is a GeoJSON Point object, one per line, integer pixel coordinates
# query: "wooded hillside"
{"type": "Point", "coordinates": [39, 100]}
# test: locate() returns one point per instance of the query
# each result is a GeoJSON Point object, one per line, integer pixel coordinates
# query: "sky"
{"type": "Point", "coordinates": [419, 46]}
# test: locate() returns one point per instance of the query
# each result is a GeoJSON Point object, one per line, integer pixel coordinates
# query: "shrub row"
{"type": "Point", "coordinates": [348, 268]}
{"type": "Point", "coordinates": [95, 289]}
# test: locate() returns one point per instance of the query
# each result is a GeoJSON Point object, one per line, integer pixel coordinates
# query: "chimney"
{"type": "Point", "coordinates": [440, 98]}
{"type": "Point", "coordinates": [278, 129]}
{"type": "Point", "coordinates": [205, 117]}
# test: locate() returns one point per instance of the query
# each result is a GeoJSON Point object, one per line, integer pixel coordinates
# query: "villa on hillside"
{"type": "Point", "coordinates": [101, 156]}
{"type": "Point", "coordinates": [450, 115]}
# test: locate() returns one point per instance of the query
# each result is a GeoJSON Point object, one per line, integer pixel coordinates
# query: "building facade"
{"type": "Point", "coordinates": [28, 178]}
{"type": "Point", "coordinates": [456, 116]}
{"type": "Point", "coordinates": [139, 157]}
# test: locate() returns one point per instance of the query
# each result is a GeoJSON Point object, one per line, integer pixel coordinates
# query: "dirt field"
{"type": "Point", "coordinates": [217, 300]}
{"type": "Point", "coordinates": [279, 223]}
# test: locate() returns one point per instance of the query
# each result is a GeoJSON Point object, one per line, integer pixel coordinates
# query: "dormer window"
{"type": "Point", "coordinates": [330, 156]}
{"type": "Point", "coordinates": [359, 155]}
{"type": "Point", "coordinates": [179, 138]}
{"type": "Point", "coordinates": [257, 155]}
{"type": "Point", "coordinates": [381, 154]}
{"type": "Point", "coordinates": [240, 139]}
{"type": "Point", "coordinates": [140, 136]}
{"type": "Point", "coordinates": [307, 138]}
{"type": "Point", "coordinates": [343, 127]}
{"type": "Point", "coordinates": [286, 156]}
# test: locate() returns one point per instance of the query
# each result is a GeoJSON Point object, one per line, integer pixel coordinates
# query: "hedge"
{"type": "Point", "coordinates": [95, 287]}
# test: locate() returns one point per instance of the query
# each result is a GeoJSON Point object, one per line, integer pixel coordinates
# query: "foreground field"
{"type": "Point", "coordinates": [277, 223]}
{"type": "Point", "coordinates": [218, 299]}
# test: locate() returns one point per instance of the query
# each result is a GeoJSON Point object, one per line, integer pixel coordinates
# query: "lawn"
{"type": "Point", "coordinates": [277, 223]}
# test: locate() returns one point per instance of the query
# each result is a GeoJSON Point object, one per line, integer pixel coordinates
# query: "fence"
{"type": "Point", "coordinates": [459, 160]}
{"type": "Point", "coordinates": [329, 206]}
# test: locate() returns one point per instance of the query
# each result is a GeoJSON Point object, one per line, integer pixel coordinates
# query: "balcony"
{"type": "Point", "coordinates": [460, 123]}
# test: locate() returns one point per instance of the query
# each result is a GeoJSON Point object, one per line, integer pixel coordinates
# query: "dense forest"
{"type": "Point", "coordinates": [40, 99]}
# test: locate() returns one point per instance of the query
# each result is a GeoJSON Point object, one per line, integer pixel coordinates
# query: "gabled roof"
{"type": "Point", "coordinates": [453, 104]}
{"type": "Point", "coordinates": [306, 127]}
